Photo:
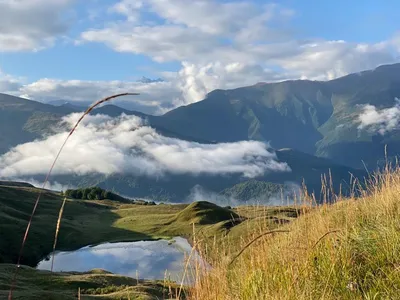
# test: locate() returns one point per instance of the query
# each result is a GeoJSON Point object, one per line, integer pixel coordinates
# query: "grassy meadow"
{"type": "Point", "coordinates": [96, 284]}
{"type": "Point", "coordinates": [346, 250]}
{"type": "Point", "coordinates": [349, 249]}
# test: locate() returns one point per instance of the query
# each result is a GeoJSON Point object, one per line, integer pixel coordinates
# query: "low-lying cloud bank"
{"type": "Point", "coordinates": [125, 144]}
{"type": "Point", "coordinates": [380, 120]}
{"type": "Point", "coordinates": [51, 185]}
{"type": "Point", "coordinates": [290, 192]}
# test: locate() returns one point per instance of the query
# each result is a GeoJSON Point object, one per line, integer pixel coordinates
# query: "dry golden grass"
{"type": "Point", "coordinates": [57, 231]}
{"type": "Point", "coordinates": [346, 250]}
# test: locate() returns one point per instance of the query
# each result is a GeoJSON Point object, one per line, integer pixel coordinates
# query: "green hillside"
{"type": "Point", "coordinates": [254, 189]}
{"type": "Point", "coordinates": [96, 284]}
{"type": "Point", "coordinates": [91, 222]}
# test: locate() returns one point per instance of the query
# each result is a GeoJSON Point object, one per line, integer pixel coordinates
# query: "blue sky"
{"type": "Point", "coordinates": [80, 50]}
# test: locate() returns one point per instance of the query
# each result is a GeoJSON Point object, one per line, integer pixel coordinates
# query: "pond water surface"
{"type": "Point", "coordinates": [142, 259]}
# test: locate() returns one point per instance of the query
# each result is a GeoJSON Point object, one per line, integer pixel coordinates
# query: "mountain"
{"type": "Point", "coordinates": [314, 124]}
{"type": "Point", "coordinates": [27, 120]}
{"type": "Point", "coordinates": [76, 105]}
{"type": "Point", "coordinates": [316, 117]}
{"type": "Point", "coordinates": [254, 189]}
{"type": "Point", "coordinates": [149, 80]}
{"type": "Point", "coordinates": [23, 120]}
{"type": "Point", "coordinates": [285, 113]}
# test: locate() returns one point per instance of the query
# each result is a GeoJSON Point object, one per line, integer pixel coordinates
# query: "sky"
{"type": "Point", "coordinates": [77, 50]}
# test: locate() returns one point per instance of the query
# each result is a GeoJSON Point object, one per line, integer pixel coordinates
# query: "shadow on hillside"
{"type": "Point", "coordinates": [83, 223]}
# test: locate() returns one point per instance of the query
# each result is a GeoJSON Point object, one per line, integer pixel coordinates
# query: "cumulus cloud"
{"type": "Point", "coordinates": [189, 85]}
{"type": "Point", "coordinates": [322, 60]}
{"type": "Point", "coordinates": [380, 120]}
{"type": "Point", "coordinates": [154, 96]}
{"type": "Point", "coordinates": [195, 81]}
{"type": "Point", "coordinates": [9, 84]}
{"type": "Point", "coordinates": [219, 44]}
{"type": "Point", "coordinates": [51, 185]}
{"type": "Point", "coordinates": [231, 32]}
{"type": "Point", "coordinates": [28, 25]}
{"type": "Point", "coordinates": [230, 44]}
{"type": "Point", "coordinates": [219, 15]}
{"type": "Point", "coordinates": [204, 32]}
{"type": "Point", "coordinates": [160, 42]}
{"type": "Point", "coordinates": [125, 145]}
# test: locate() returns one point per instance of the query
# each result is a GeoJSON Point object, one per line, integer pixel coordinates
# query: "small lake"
{"type": "Point", "coordinates": [142, 259]}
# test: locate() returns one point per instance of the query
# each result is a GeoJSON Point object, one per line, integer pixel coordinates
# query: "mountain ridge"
{"type": "Point", "coordinates": [300, 114]}
{"type": "Point", "coordinates": [317, 120]}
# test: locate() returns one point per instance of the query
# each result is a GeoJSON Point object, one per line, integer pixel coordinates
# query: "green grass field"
{"type": "Point", "coordinates": [91, 222]}
{"type": "Point", "coordinates": [96, 284]}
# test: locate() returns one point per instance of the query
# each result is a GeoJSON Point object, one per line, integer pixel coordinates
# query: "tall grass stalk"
{"type": "Point", "coordinates": [93, 106]}
{"type": "Point", "coordinates": [57, 230]}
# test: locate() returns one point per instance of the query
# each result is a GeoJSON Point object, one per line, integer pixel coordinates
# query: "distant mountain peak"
{"type": "Point", "coordinates": [149, 80]}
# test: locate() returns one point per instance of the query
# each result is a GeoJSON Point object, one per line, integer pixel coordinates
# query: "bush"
{"type": "Point", "coordinates": [94, 193]}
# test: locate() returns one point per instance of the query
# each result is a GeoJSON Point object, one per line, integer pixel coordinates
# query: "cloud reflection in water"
{"type": "Point", "coordinates": [148, 259]}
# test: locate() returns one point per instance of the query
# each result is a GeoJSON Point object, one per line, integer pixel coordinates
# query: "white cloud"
{"type": "Point", "coordinates": [50, 185]}
{"type": "Point", "coordinates": [324, 60]}
{"type": "Point", "coordinates": [163, 43]}
{"type": "Point", "coordinates": [195, 81]}
{"type": "Point", "coordinates": [211, 17]}
{"type": "Point", "coordinates": [380, 120]}
{"type": "Point", "coordinates": [9, 84]}
{"type": "Point", "coordinates": [286, 196]}
{"type": "Point", "coordinates": [143, 259]}
{"type": "Point", "coordinates": [209, 32]}
{"type": "Point", "coordinates": [190, 84]}
{"type": "Point", "coordinates": [153, 95]}
{"type": "Point", "coordinates": [222, 45]}
{"type": "Point", "coordinates": [27, 25]}
{"type": "Point", "coordinates": [128, 8]}
{"type": "Point", "coordinates": [123, 145]}
{"type": "Point", "coordinates": [202, 33]}
{"type": "Point", "coordinates": [231, 44]}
